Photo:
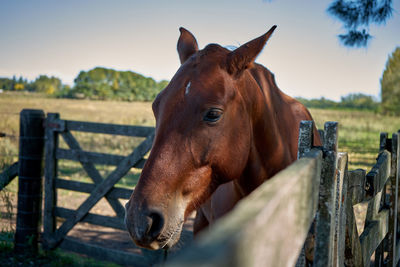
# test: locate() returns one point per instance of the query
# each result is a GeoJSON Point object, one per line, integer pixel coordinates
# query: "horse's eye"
{"type": "Point", "coordinates": [213, 115]}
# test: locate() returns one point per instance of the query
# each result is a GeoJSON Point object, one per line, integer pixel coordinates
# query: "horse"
{"type": "Point", "coordinates": [223, 127]}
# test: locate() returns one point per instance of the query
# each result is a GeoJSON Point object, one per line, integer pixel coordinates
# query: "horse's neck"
{"type": "Point", "coordinates": [268, 152]}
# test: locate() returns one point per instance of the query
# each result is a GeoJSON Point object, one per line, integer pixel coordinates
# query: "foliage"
{"type": "Point", "coordinates": [42, 84]}
{"type": "Point", "coordinates": [318, 103]}
{"type": "Point", "coordinates": [6, 84]}
{"type": "Point", "coordinates": [359, 101]}
{"type": "Point", "coordinates": [102, 83]}
{"type": "Point", "coordinates": [98, 83]}
{"type": "Point", "coordinates": [19, 86]}
{"type": "Point", "coordinates": [357, 15]}
{"type": "Point", "coordinates": [47, 85]}
{"type": "Point", "coordinates": [390, 85]}
{"type": "Point", "coordinates": [355, 101]}
{"type": "Point", "coordinates": [14, 84]}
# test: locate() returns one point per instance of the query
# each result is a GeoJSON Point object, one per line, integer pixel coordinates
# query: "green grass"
{"type": "Point", "coordinates": [359, 133]}
{"type": "Point", "coordinates": [56, 258]}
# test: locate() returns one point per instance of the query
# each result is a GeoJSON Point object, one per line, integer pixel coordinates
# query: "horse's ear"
{"type": "Point", "coordinates": [187, 45]}
{"type": "Point", "coordinates": [242, 57]}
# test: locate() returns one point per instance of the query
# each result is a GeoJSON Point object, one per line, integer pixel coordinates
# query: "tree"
{"type": "Point", "coordinates": [357, 15]}
{"type": "Point", "coordinates": [359, 101]}
{"type": "Point", "coordinates": [47, 85]}
{"type": "Point", "coordinates": [102, 83]}
{"type": "Point", "coordinates": [390, 84]}
{"type": "Point", "coordinates": [6, 84]}
{"type": "Point", "coordinates": [19, 86]}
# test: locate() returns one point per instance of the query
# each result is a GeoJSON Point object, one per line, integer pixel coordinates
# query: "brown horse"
{"type": "Point", "coordinates": [223, 127]}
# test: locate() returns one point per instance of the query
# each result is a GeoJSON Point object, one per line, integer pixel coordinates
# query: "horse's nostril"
{"type": "Point", "coordinates": [156, 224]}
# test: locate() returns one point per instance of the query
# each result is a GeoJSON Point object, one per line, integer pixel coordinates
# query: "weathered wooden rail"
{"type": "Point", "coordinates": [8, 175]}
{"type": "Point", "coordinates": [270, 226]}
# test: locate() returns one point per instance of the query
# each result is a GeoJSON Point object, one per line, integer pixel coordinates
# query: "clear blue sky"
{"type": "Point", "coordinates": [62, 38]}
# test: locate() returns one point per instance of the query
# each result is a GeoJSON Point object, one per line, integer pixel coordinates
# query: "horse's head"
{"type": "Point", "coordinates": [202, 139]}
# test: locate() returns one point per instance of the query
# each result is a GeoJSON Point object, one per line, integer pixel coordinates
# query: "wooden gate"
{"type": "Point", "coordinates": [54, 236]}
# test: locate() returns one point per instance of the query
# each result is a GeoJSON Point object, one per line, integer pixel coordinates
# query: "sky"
{"type": "Point", "coordinates": [62, 38]}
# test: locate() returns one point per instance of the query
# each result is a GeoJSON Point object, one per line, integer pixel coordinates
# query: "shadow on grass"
{"type": "Point", "coordinates": [43, 258]}
{"type": "Point", "coordinates": [129, 180]}
{"type": "Point", "coordinates": [70, 171]}
{"type": "Point", "coordinates": [361, 165]}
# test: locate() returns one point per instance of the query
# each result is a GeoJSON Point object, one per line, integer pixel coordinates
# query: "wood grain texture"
{"type": "Point", "coordinates": [107, 128]}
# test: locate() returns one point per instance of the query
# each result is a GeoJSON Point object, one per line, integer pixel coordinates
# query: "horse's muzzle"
{"type": "Point", "coordinates": [145, 226]}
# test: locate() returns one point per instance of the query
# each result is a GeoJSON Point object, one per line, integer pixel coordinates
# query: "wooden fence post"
{"type": "Point", "coordinates": [305, 144]}
{"type": "Point", "coordinates": [31, 143]}
{"type": "Point", "coordinates": [326, 213]}
{"type": "Point", "coordinates": [50, 198]}
{"type": "Point", "coordinates": [394, 177]}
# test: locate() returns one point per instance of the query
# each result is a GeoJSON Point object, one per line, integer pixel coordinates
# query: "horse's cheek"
{"type": "Point", "coordinates": [233, 156]}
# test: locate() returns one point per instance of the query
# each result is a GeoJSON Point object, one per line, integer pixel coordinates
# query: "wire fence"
{"type": "Point", "coordinates": [6, 135]}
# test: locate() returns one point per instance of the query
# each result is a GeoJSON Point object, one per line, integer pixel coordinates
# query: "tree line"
{"type": "Point", "coordinates": [390, 93]}
{"type": "Point", "coordinates": [42, 84]}
{"type": "Point", "coordinates": [104, 84]}
{"type": "Point", "coordinates": [98, 83]}
{"type": "Point", "coordinates": [356, 101]}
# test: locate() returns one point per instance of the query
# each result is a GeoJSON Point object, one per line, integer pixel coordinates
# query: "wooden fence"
{"type": "Point", "coordinates": [38, 133]}
{"type": "Point", "coordinates": [54, 236]}
{"type": "Point", "coordinates": [270, 227]}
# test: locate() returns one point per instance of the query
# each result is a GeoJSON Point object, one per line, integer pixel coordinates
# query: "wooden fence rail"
{"type": "Point", "coordinates": [8, 175]}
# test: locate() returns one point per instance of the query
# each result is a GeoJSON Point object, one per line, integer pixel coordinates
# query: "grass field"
{"type": "Point", "coordinates": [358, 135]}
{"type": "Point", "coordinates": [358, 130]}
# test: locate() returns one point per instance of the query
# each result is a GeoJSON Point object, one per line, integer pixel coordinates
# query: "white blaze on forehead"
{"type": "Point", "coordinates": [187, 88]}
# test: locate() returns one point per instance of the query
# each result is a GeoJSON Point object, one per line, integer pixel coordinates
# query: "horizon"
{"type": "Point", "coordinates": [375, 98]}
{"type": "Point", "coordinates": [61, 39]}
